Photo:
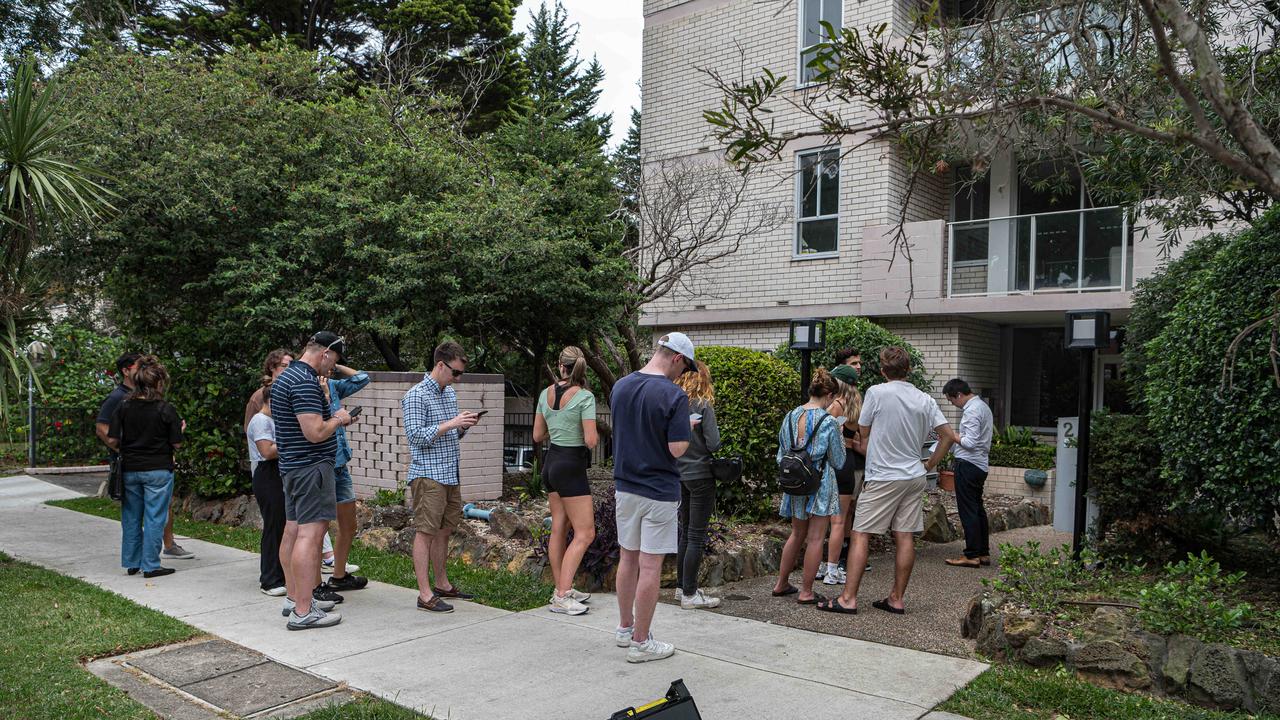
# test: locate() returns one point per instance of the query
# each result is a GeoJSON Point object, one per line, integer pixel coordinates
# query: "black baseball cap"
{"type": "Point", "coordinates": [330, 341]}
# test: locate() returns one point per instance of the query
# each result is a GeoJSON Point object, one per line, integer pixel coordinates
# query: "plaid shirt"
{"type": "Point", "coordinates": [426, 406]}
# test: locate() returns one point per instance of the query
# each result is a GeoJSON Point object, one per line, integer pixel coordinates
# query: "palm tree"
{"type": "Point", "coordinates": [40, 192]}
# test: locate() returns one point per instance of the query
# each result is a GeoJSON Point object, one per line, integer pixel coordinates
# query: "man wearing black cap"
{"type": "Point", "coordinates": [305, 440]}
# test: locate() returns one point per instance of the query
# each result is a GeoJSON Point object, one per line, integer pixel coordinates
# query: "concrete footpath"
{"type": "Point", "coordinates": [483, 663]}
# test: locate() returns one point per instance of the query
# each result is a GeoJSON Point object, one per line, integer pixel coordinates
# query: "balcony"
{"type": "Point", "coordinates": [1073, 251]}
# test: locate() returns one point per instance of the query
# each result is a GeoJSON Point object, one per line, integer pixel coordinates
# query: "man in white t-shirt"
{"type": "Point", "coordinates": [895, 422]}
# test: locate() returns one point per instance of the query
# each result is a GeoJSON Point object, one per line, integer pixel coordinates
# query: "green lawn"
{"type": "Point", "coordinates": [496, 588]}
{"type": "Point", "coordinates": [55, 622]}
{"type": "Point", "coordinates": [1008, 692]}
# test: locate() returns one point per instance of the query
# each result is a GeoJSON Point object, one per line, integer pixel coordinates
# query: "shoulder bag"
{"type": "Point", "coordinates": [115, 475]}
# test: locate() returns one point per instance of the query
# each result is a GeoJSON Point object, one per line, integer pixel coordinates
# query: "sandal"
{"type": "Point", "coordinates": [885, 606]}
{"type": "Point", "coordinates": [811, 601]}
{"type": "Point", "coordinates": [790, 590]}
{"type": "Point", "coordinates": [964, 562]}
{"type": "Point", "coordinates": [833, 606]}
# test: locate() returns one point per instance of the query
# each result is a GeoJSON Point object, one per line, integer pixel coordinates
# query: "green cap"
{"type": "Point", "coordinates": [845, 374]}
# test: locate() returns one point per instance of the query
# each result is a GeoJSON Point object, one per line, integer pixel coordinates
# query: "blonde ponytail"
{"type": "Point", "coordinates": [575, 361]}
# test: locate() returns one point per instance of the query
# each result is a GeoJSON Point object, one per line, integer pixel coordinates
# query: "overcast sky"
{"type": "Point", "coordinates": [611, 30]}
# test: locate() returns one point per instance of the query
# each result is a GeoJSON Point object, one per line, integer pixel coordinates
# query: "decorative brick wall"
{"type": "Point", "coordinates": [380, 455]}
{"type": "Point", "coordinates": [1009, 481]}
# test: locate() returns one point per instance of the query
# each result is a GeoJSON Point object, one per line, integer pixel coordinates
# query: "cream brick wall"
{"type": "Point", "coordinates": [1010, 481]}
{"type": "Point", "coordinates": [757, 336]}
{"type": "Point", "coordinates": [380, 454]}
{"type": "Point", "coordinates": [954, 347]}
{"type": "Point", "coordinates": [733, 36]}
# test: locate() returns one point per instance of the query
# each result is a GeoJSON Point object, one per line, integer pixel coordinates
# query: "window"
{"type": "Point", "coordinates": [970, 200]}
{"type": "Point", "coordinates": [818, 202]}
{"type": "Point", "coordinates": [964, 12]}
{"type": "Point", "coordinates": [812, 14]}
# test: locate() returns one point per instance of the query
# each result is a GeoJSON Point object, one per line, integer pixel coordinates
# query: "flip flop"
{"type": "Point", "coordinates": [811, 601]}
{"type": "Point", "coordinates": [885, 606]}
{"type": "Point", "coordinates": [833, 606]}
{"type": "Point", "coordinates": [791, 590]}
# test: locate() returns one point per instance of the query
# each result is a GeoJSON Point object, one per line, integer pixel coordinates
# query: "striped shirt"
{"type": "Point", "coordinates": [297, 392]}
{"type": "Point", "coordinates": [426, 406]}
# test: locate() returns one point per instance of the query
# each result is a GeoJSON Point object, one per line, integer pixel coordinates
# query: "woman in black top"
{"type": "Point", "coordinates": [145, 430]}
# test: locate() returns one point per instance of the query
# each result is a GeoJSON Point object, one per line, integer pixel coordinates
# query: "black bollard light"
{"type": "Point", "coordinates": [807, 335]}
{"type": "Point", "coordinates": [1087, 330]}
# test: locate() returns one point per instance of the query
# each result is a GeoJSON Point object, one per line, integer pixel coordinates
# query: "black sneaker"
{"type": "Point", "coordinates": [322, 592]}
{"type": "Point", "coordinates": [158, 572]}
{"type": "Point", "coordinates": [346, 582]}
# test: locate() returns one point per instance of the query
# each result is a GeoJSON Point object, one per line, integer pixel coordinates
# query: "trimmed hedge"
{"type": "Point", "coordinates": [1040, 457]}
{"type": "Point", "coordinates": [869, 338]}
{"type": "Point", "coordinates": [1219, 439]}
{"type": "Point", "coordinates": [1124, 468]}
{"type": "Point", "coordinates": [754, 391]}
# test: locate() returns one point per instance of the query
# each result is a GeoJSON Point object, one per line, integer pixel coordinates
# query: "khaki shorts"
{"type": "Point", "coordinates": [885, 505]}
{"type": "Point", "coordinates": [650, 526]}
{"type": "Point", "coordinates": [436, 507]}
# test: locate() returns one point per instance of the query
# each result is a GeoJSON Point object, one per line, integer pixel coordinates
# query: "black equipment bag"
{"type": "Point", "coordinates": [677, 705]}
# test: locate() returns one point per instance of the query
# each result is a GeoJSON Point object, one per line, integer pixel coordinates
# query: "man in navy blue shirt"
{"type": "Point", "coordinates": [305, 439]}
{"type": "Point", "coordinates": [651, 428]}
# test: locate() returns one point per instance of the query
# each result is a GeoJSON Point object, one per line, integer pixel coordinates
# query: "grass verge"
{"type": "Point", "coordinates": [496, 588]}
{"type": "Point", "coordinates": [56, 622]}
{"type": "Point", "coordinates": [1007, 692]}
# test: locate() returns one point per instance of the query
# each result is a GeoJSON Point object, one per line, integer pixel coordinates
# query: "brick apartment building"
{"type": "Point", "coordinates": [995, 265]}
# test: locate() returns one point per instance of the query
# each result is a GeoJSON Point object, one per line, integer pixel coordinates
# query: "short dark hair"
{"type": "Point", "coordinates": [895, 363]}
{"type": "Point", "coordinates": [956, 387]}
{"type": "Point", "coordinates": [446, 352]}
{"type": "Point", "coordinates": [843, 354]}
{"type": "Point", "coordinates": [126, 360]}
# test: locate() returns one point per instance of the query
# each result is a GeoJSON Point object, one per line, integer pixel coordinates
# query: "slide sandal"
{"type": "Point", "coordinates": [833, 606]}
{"type": "Point", "coordinates": [885, 606]}
{"type": "Point", "coordinates": [811, 601]}
{"type": "Point", "coordinates": [791, 590]}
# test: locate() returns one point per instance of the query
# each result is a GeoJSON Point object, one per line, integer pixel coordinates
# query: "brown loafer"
{"type": "Point", "coordinates": [963, 562]}
{"type": "Point", "coordinates": [985, 559]}
{"type": "Point", "coordinates": [453, 592]}
{"type": "Point", "coordinates": [435, 604]}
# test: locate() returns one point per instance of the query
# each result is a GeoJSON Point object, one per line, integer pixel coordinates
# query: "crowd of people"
{"type": "Point", "coordinates": [863, 454]}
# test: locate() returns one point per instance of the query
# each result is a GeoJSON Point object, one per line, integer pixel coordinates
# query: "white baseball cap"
{"type": "Point", "coordinates": [679, 342]}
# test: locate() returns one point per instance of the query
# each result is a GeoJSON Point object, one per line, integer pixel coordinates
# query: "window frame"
{"type": "Point", "coordinates": [801, 82]}
{"type": "Point", "coordinates": [800, 219]}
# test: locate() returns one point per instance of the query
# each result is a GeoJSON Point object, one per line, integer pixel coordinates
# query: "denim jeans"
{"type": "Point", "coordinates": [973, 516]}
{"type": "Point", "coordinates": [144, 511]}
{"type": "Point", "coordinates": [697, 502]}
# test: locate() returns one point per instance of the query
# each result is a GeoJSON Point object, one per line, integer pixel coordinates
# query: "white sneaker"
{"type": "Point", "coordinates": [651, 649]}
{"type": "Point", "coordinates": [822, 571]}
{"type": "Point", "coordinates": [835, 576]}
{"type": "Point", "coordinates": [317, 618]}
{"type": "Point", "coordinates": [678, 595]}
{"type": "Point", "coordinates": [567, 605]}
{"type": "Point", "coordinates": [275, 591]}
{"type": "Point", "coordinates": [622, 636]}
{"type": "Point", "coordinates": [289, 606]}
{"type": "Point", "coordinates": [698, 600]}
{"type": "Point", "coordinates": [579, 596]}
{"type": "Point", "coordinates": [326, 567]}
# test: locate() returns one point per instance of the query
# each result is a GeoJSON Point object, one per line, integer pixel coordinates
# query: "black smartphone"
{"type": "Point", "coordinates": [353, 412]}
{"type": "Point", "coordinates": [480, 413]}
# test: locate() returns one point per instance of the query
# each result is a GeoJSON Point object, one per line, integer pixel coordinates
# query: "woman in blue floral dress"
{"type": "Point", "coordinates": [810, 514]}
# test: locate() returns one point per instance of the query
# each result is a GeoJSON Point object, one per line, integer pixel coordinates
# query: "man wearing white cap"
{"type": "Point", "coordinates": [651, 428]}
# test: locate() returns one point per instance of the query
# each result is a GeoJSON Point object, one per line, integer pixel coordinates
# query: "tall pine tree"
{"type": "Point", "coordinates": [562, 93]}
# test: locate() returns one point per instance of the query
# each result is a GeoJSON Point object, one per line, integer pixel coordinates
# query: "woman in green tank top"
{"type": "Point", "coordinates": [566, 416]}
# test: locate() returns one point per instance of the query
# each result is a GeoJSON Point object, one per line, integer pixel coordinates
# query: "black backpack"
{"type": "Point", "coordinates": [798, 473]}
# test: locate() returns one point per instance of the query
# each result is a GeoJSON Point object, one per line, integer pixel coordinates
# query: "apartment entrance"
{"type": "Point", "coordinates": [1043, 379]}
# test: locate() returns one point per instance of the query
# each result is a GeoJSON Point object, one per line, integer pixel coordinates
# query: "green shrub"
{"type": "Point", "coordinates": [1219, 439]}
{"type": "Point", "coordinates": [1035, 579]}
{"type": "Point", "coordinates": [1195, 598]}
{"type": "Point", "coordinates": [868, 338]}
{"type": "Point", "coordinates": [211, 461]}
{"type": "Point", "coordinates": [1015, 436]}
{"type": "Point", "coordinates": [754, 391]}
{"type": "Point", "coordinates": [1039, 457]}
{"type": "Point", "coordinates": [1124, 468]}
{"type": "Point", "coordinates": [386, 497]}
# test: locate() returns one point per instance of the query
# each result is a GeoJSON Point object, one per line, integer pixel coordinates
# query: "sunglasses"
{"type": "Point", "coordinates": [456, 373]}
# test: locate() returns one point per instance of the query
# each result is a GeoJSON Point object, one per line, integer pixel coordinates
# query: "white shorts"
{"type": "Point", "coordinates": [650, 526]}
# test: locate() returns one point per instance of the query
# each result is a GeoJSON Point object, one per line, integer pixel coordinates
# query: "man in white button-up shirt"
{"type": "Point", "coordinates": [972, 452]}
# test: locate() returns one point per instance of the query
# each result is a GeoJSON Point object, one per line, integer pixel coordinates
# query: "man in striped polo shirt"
{"type": "Point", "coordinates": [305, 439]}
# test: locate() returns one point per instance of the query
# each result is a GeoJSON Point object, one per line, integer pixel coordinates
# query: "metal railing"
{"type": "Point", "coordinates": [517, 441]}
{"type": "Point", "coordinates": [1088, 250]}
{"type": "Point", "coordinates": [64, 436]}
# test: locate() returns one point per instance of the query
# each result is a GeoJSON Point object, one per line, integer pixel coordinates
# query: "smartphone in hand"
{"type": "Point", "coordinates": [355, 411]}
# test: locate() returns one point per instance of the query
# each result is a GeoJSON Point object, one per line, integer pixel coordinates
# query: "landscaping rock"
{"type": "Point", "coordinates": [1267, 696]}
{"type": "Point", "coordinates": [1108, 624]}
{"type": "Point", "coordinates": [997, 522]}
{"type": "Point", "coordinates": [403, 542]}
{"type": "Point", "coordinates": [711, 574]}
{"type": "Point", "coordinates": [395, 517]}
{"type": "Point", "coordinates": [234, 509]}
{"type": "Point", "coordinates": [1106, 663]}
{"type": "Point", "coordinates": [378, 538]}
{"type": "Point", "coordinates": [937, 526]}
{"type": "Point", "coordinates": [509, 525]}
{"type": "Point", "coordinates": [771, 555]}
{"type": "Point", "coordinates": [252, 517]}
{"type": "Point", "coordinates": [1019, 629]}
{"type": "Point", "coordinates": [206, 510]}
{"type": "Point", "coordinates": [364, 516]}
{"type": "Point", "coordinates": [1044, 652]}
{"type": "Point", "coordinates": [971, 624]}
{"type": "Point", "coordinates": [1217, 678]}
{"type": "Point", "coordinates": [1182, 649]}
{"type": "Point", "coordinates": [991, 640]}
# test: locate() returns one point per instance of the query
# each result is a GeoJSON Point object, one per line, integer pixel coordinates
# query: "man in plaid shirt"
{"type": "Point", "coordinates": [433, 426]}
